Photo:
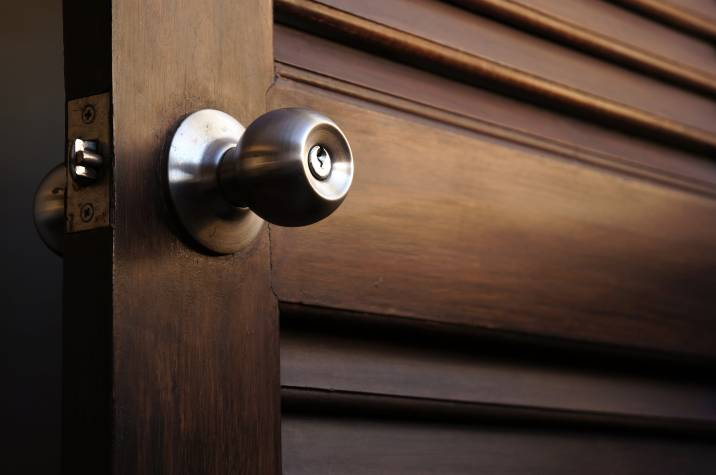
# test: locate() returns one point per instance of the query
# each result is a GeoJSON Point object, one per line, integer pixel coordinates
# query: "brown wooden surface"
{"type": "Point", "coordinates": [451, 226]}
{"type": "Point", "coordinates": [441, 38]}
{"type": "Point", "coordinates": [514, 285]}
{"type": "Point", "coordinates": [345, 444]}
{"type": "Point", "coordinates": [484, 38]}
{"type": "Point", "coordinates": [354, 355]}
{"type": "Point", "coordinates": [496, 191]}
{"type": "Point", "coordinates": [696, 17]}
{"type": "Point", "coordinates": [339, 68]}
{"type": "Point", "coordinates": [611, 33]}
{"type": "Point", "coordinates": [195, 337]}
{"type": "Point", "coordinates": [622, 25]}
{"type": "Point", "coordinates": [704, 8]}
{"type": "Point", "coordinates": [481, 37]}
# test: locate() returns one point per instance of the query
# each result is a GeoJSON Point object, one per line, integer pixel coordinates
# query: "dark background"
{"type": "Point", "coordinates": [31, 134]}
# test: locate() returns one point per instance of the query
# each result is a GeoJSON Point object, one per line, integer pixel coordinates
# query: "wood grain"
{"type": "Point", "coordinates": [704, 8]}
{"type": "Point", "coordinates": [472, 227]}
{"type": "Point", "coordinates": [614, 22]}
{"type": "Point", "coordinates": [674, 14]}
{"type": "Point", "coordinates": [486, 54]}
{"type": "Point", "coordinates": [356, 356]}
{"type": "Point", "coordinates": [195, 337]}
{"type": "Point", "coordinates": [623, 38]}
{"type": "Point", "coordinates": [557, 64]}
{"type": "Point", "coordinates": [316, 443]}
{"type": "Point", "coordinates": [377, 406]}
{"type": "Point", "coordinates": [332, 66]}
{"type": "Point", "coordinates": [451, 226]}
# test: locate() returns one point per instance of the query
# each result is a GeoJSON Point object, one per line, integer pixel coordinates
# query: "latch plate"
{"type": "Point", "coordinates": [88, 205]}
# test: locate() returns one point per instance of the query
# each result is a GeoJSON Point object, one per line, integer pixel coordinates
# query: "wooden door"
{"type": "Point", "coordinates": [171, 355]}
{"type": "Point", "coordinates": [522, 279]}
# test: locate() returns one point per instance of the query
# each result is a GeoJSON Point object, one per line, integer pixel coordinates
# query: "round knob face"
{"type": "Point", "coordinates": [292, 167]}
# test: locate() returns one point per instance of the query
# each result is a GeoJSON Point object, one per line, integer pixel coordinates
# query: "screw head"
{"type": "Point", "coordinates": [88, 114]}
{"type": "Point", "coordinates": [319, 162]}
{"type": "Point", "coordinates": [87, 212]}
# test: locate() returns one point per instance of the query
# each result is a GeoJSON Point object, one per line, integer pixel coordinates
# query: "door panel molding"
{"type": "Point", "coordinates": [503, 237]}
{"type": "Point", "coordinates": [680, 119]}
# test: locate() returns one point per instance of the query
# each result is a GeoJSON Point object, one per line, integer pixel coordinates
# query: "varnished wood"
{"type": "Point", "coordinates": [681, 120]}
{"type": "Point", "coordinates": [525, 212]}
{"type": "Point", "coordinates": [490, 216]}
{"type": "Point", "coordinates": [402, 361]}
{"type": "Point", "coordinates": [558, 65]}
{"type": "Point", "coordinates": [704, 8]}
{"type": "Point", "coordinates": [338, 68]}
{"type": "Point", "coordinates": [320, 442]}
{"type": "Point", "coordinates": [185, 355]}
{"type": "Point", "coordinates": [454, 227]}
{"type": "Point", "coordinates": [376, 406]}
{"type": "Point", "coordinates": [611, 21]}
{"type": "Point", "coordinates": [544, 20]}
{"type": "Point", "coordinates": [674, 14]}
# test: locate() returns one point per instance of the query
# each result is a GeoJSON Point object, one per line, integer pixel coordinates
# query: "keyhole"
{"type": "Point", "coordinates": [319, 162]}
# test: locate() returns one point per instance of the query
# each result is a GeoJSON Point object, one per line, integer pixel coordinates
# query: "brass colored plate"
{"type": "Point", "coordinates": [88, 207]}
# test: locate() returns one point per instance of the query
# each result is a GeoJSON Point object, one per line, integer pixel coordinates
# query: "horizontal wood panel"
{"type": "Point", "coordinates": [704, 8]}
{"type": "Point", "coordinates": [353, 355]}
{"type": "Point", "coordinates": [697, 17]}
{"type": "Point", "coordinates": [451, 226]}
{"type": "Point", "coordinates": [612, 21]}
{"type": "Point", "coordinates": [430, 95]}
{"type": "Point", "coordinates": [442, 38]}
{"type": "Point", "coordinates": [612, 33]}
{"type": "Point", "coordinates": [448, 25]}
{"type": "Point", "coordinates": [349, 445]}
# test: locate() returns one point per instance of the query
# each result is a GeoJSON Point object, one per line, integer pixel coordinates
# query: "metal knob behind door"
{"type": "Point", "coordinates": [290, 167]}
{"type": "Point", "coordinates": [49, 209]}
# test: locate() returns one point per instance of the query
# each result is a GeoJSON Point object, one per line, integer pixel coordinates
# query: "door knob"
{"type": "Point", "coordinates": [85, 165]}
{"type": "Point", "coordinates": [49, 209]}
{"type": "Point", "coordinates": [290, 167]}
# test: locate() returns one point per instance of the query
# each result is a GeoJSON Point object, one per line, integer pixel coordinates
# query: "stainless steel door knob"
{"type": "Point", "coordinates": [49, 209]}
{"type": "Point", "coordinates": [290, 167]}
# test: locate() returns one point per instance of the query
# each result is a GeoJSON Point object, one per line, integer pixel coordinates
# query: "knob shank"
{"type": "Point", "coordinates": [269, 170]}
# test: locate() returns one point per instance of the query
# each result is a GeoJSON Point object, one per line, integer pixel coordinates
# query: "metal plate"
{"type": "Point", "coordinates": [88, 206]}
{"type": "Point", "coordinates": [192, 163]}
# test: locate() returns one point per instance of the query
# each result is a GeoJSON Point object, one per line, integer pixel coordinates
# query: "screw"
{"type": "Point", "coordinates": [319, 161]}
{"type": "Point", "coordinates": [88, 114]}
{"type": "Point", "coordinates": [87, 212]}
